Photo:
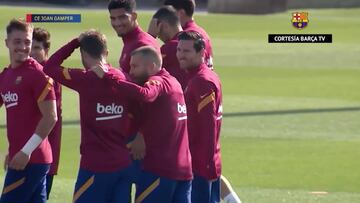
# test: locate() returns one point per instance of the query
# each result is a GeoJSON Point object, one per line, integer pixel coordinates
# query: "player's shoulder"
{"type": "Point", "coordinates": [197, 28]}
{"type": "Point", "coordinates": [147, 40]}
{"type": "Point", "coordinates": [3, 72]}
{"type": "Point", "coordinates": [197, 80]}
{"type": "Point", "coordinates": [147, 37]}
{"type": "Point", "coordinates": [172, 44]}
{"type": "Point", "coordinates": [203, 79]}
{"type": "Point", "coordinates": [117, 73]}
{"type": "Point", "coordinates": [159, 78]}
{"type": "Point", "coordinates": [34, 68]}
{"type": "Point", "coordinates": [169, 48]}
{"type": "Point", "coordinates": [211, 76]}
{"type": "Point", "coordinates": [201, 29]}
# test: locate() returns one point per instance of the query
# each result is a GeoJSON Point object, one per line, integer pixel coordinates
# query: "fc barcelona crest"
{"type": "Point", "coordinates": [300, 20]}
{"type": "Point", "coordinates": [18, 80]}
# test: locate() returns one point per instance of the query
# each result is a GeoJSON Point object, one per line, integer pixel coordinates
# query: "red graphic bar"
{"type": "Point", "coordinates": [28, 18]}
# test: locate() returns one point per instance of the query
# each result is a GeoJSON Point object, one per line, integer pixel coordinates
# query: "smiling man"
{"type": "Point", "coordinates": [166, 168]}
{"type": "Point", "coordinates": [203, 97]}
{"type": "Point", "coordinates": [28, 96]}
{"type": "Point", "coordinates": [186, 10]}
{"type": "Point", "coordinates": [124, 21]}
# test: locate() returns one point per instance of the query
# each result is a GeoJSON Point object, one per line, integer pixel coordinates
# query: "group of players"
{"type": "Point", "coordinates": [154, 122]}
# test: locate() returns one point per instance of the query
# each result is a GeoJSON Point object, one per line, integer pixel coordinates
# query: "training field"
{"type": "Point", "coordinates": [292, 112]}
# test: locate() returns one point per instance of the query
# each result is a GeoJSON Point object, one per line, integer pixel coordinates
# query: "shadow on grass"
{"type": "Point", "coordinates": [258, 113]}
{"type": "Point", "coordinates": [291, 111]}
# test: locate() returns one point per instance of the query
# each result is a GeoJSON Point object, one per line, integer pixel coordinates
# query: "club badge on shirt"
{"type": "Point", "coordinates": [18, 80]}
{"type": "Point", "coordinates": [153, 82]}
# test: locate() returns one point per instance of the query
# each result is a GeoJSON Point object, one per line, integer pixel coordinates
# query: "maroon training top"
{"type": "Point", "coordinates": [21, 89]}
{"type": "Point", "coordinates": [133, 40]}
{"type": "Point", "coordinates": [170, 61]}
{"type": "Point", "coordinates": [164, 124]}
{"type": "Point", "coordinates": [103, 113]}
{"type": "Point", "coordinates": [204, 104]}
{"type": "Point", "coordinates": [55, 135]}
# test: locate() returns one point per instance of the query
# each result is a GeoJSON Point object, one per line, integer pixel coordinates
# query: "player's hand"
{"type": "Point", "coordinates": [6, 162]}
{"type": "Point", "coordinates": [81, 36]}
{"type": "Point", "coordinates": [19, 161]}
{"type": "Point", "coordinates": [138, 147]}
{"type": "Point", "coordinates": [154, 27]}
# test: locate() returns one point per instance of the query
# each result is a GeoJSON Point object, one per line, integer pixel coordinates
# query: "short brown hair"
{"type": "Point", "coordinates": [43, 36]}
{"type": "Point", "coordinates": [150, 53]}
{"type": "Point", "coordinates": [18, 24]}
{"type": "Point", "coordinates": [127, 5]}
{"type": "Point", "coordinates": [94, 43]}
{"type": "Point", "coordinates": [169, 15]}
{"type": "Point", "coordinates": [199, 42]}
{"type": "Point", "coordinates": [187, 5]}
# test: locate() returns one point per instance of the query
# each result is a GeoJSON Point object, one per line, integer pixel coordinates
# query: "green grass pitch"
{"type": "Point", "coordinates": [292, 111]}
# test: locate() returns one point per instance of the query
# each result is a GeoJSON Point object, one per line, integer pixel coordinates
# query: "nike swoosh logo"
{"type": "Point", "coordinates": [203, 96]}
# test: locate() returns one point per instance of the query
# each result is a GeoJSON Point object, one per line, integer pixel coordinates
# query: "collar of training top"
{"type": "Point", "coordinates": [176, 36]}
{"type": "Point", "coordinates": [188, 24]}
{"type": "Point", "coordinates": [28, 62]}
{"type": "Point", "coordinates": [196, 70]}
{"type": "Point", "coordinates": [132, 34]}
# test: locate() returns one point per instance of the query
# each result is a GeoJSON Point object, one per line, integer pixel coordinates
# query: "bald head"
{"type": "Point", "coordinates": [149, 54]}
{"type": "Point", "coordinates": [145, 62]}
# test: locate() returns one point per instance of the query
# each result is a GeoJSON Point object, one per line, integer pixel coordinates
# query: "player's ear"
{"type": "Point", "coordinates": [202, 52]}
{"type": "Point", "coordinates": [47, 51]}
{"type": "Point", "coordinates": [7, 43]}
{"type": "Point", "coordinates": [163, 25]}
{"type": "Point", "coordinates": [134, 16]}
{"type": "Point", "coordinates": [181, 13]}
{"type": "Point", "coordinates": [153, 67]}
{"type": "Point", "coordinates": [106, 53]}
{"type": "Point", "coordinates": [83, 54]}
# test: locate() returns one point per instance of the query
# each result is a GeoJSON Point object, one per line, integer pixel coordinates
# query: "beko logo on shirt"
{"type": "Point", "coordinates": [181, 109]}
{"type": "Point", "coordinates": [220, 109]}
{"type": "Point", "coordinates": [10, 99]}
{"type": "Point", "coordinates": [112, 111]}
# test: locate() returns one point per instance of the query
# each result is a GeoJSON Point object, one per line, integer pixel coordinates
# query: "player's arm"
{"type": "Point", "coordinates": [48, 119]}
{"type": "Point", "coordinates": [137, 144]}
{"type": "Point", "coordinates": [42, 91]}
{"type": "Point", "coordinates": [71, 78]}
{"type": "Point", "coordinates": [45, 125]}
{"type": "Point", "coordinates": [147, 93]}
{"type": "Point", "coordinates": [204, 95]}
{"type": "Point", "coordinates": [6, 156]}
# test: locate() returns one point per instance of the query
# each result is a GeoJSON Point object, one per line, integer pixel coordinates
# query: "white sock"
{"type": "Point", "coordinates": [232, 198]}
